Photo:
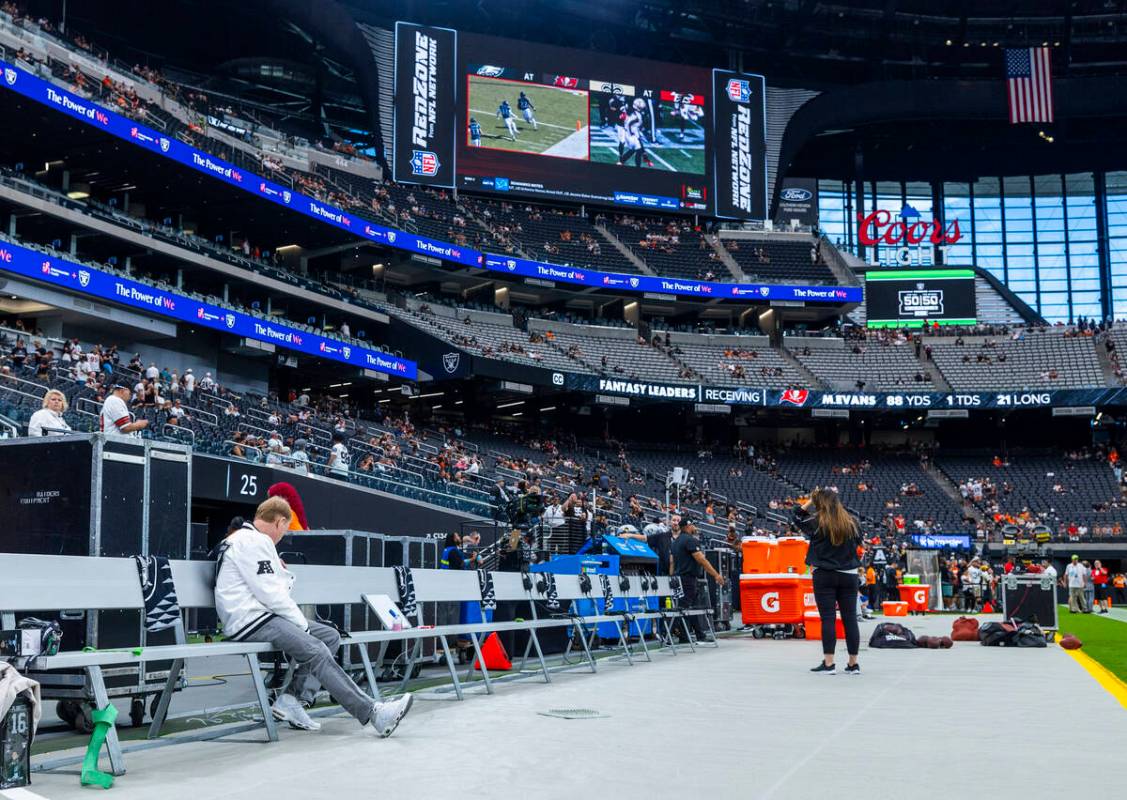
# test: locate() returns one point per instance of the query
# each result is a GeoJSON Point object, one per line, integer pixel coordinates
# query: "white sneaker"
{"type": "Point", "coordinates": [287, 708]}
{"type": "Point", "coordinates": [387, 716]}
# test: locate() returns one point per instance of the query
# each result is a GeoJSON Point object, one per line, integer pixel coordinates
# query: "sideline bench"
{"type": "Point", "coordinates": [59, 583]}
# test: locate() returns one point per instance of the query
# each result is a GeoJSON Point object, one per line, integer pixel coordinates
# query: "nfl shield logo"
{"type": "Point", "coordinates": [739, 91]}
{"type": "Point", "coordinates": [391, 237]}
{"type": "Point", "coordinates": [10, 75]}
{"type": "Point", "coordinates": [764, 290]}
{"type": "Point", "coordinates": [230, 320]}
{"type": "Point", "coordinates": [346, 351]}
{"type": "Point", "coordinates": [634, 282]}
{"type": "Point", "coordinates": [286, 196]}
{"type": "Point", "coordinates": [450, 361]}
{"type": "Point", "coordinates": [424, 162]}
{"type": "Point", "coordinates": [83, 277]}
{"type": "Point", "coordinates": [511, 264]}
{"type": "Point", "coordinates": [164, 144]}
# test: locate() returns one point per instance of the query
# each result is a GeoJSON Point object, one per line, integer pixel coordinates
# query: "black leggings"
{"type": "Point", "coordinates": [837, 589]}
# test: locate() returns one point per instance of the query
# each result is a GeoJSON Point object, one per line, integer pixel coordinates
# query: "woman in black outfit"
{"type": "Point", "coordinates": [834, 537]}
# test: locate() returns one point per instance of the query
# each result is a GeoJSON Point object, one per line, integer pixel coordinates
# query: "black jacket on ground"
{"type": "Point", "coordinates": [822, 553]}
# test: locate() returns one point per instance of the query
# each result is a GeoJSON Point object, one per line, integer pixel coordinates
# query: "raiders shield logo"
{"type": "Point", "coordinates": [450, 361]}
{"type": "Point", "coordinates": [164, 144]}
{"type": "Point", "coordinates": [230, 320]}
{"type": "Point", "coordinates": [83, 278]}
{"type": "Point", "coordinates": [10, 75]}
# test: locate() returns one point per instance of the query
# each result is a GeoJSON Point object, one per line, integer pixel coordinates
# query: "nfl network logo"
{"type": "Point", "coordinates": [557, 379]}
{"type": "Point", "coordinates": [346, 351]}
{"type": "Point", "coordinates": [286, 195]}
{"type": "Point", "coordinates": [83, 278]}
{"type": "Point", "coordinates": [10, 75]}
{"type": "Point", "coordinates": [450, 361]}
{"type": "Point", "coordinates": [230, 320]}
{"type": "Point", "coordinates": [424, 162]}
{"type": "Point", "coordinates": [634, 283]}
{"type": "Point", "coordinates": [164, 144]}
{"type": "Point", "coordinates": [739, 91]}
{"type": "Point", "coordinates": [391, 237]}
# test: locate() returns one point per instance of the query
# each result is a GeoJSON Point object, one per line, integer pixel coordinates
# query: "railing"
{"type": "Point", "coordinates": [177, 432]}
{"type": "Point", "coordinates": [8, 428]}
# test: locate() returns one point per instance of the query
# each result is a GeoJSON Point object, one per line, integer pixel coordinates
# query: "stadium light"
{"type": "Point", "coordinates": [510, 405]}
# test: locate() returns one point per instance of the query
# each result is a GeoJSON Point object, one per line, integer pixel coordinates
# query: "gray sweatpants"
{"type": "Point", "coordinates": [316, 665]}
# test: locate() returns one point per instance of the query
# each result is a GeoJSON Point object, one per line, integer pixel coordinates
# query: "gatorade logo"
{"type": "Point", "coordinates": [808, 600]}
{"type": "Point", "coordinates": [770, 602]}
{"type": "Point", "coordinates": [921, 597]}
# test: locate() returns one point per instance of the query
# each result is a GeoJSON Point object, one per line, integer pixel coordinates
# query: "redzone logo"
{"type": "Point", "coordinates": [796, 397]}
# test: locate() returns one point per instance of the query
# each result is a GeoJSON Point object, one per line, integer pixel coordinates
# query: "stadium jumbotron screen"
{"type": "Point", "coordinates": [909, 298]}
{"type": "Point", "coordinates": [555, 124]}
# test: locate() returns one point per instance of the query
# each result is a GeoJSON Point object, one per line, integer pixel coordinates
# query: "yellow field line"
{"type": "Point", "coordinates": [1104, 677]}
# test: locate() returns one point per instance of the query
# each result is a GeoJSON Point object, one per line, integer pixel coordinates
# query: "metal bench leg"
{"type": "Point", "coordinates": [641, 636]}
{"type": "Point", "coordinates": [688, 630]}
{"type": "Point", "coordinates": [102, 700]}
{"type": "Point", "coordinates": [712, 630]}
{"type": "Point", "coordinates": [534, 639]}
{"type": "Point", "coordinates": [373, 687]}
{"type": "Point", "coordinates": [450, 666]}
{"type": "Point", "coordinates": [166, 698]}
{"type": "Point", "coordinates": [481, 661]}
{"type": "Point", "coordinates": [625, 644]}
{"type": "Point", "coordinates": [263, 698]}
{"type": "Point", "coordinates": [583, 641]}
{"type": "Point", "coordinates": [524, 658]}
{"type": "Point", "coordinates": [665, 634]}
{"type": "Point", "coordinates": [413, 654]}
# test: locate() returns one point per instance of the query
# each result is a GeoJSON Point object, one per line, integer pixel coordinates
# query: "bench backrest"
{"type": "Point", "coordinates": [78, 582]}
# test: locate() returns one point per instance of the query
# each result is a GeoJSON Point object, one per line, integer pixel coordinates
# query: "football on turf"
{"type": "Point", "coordinates": [1070, 642]}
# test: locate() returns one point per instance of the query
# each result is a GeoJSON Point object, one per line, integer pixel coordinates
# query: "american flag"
{"type": "Point", "coordinates": [1029, 85]}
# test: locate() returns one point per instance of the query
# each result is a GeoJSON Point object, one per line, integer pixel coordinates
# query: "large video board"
{"type": "Point", "coordinates": [535, 121]}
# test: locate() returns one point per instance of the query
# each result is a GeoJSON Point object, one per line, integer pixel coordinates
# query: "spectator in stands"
{"type": "Point", "coordinates": [115, 418]}
{"type": "Point", "coordinates": [834, 539]}
{"type": "Point", "coordinates": [48, 421]}
{"type": "Point", "coordinates": [252, 599]}
{"type": "Point", "coordinates": [299, 459]}
{"type": "Point", "coordinates": [338, 458]}
{"type": "Point", "coordinates": [1074, 578]}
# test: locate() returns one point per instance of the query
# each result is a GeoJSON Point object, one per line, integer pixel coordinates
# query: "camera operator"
{"type": "Point", "coordinates": [688, 562]}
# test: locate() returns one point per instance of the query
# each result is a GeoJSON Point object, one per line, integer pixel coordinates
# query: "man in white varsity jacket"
{"type": "Point", "coordinates": [252, 597]}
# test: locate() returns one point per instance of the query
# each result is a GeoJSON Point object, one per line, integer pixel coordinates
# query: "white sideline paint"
{"type": "Point", "coordinates": [574, 146]}
{"type": "Point", "coordinates": [20, 794]}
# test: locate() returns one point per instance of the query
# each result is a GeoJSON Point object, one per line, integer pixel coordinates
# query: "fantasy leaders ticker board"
{"type": "Point", "coordinates": [909, 298]}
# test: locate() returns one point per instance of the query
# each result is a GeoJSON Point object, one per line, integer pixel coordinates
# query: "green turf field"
{"type": "Point", "coordinates": [1104, 638]}
{"type": "Point", "coordinates": [557, 111]}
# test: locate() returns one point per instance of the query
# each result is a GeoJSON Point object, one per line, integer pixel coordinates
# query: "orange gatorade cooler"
{"type": "Point", "coordinates": [760, 555]}
{"type": "Point", "coordinates": [792, 553]}
{"type": "Point", "coordinates": [893, 608]}
{"type": "Point", "coordinates": [773, 598]}
{"type": "Point", "coordinates": [812, 621]}
{"type": "Point", "coordinates": [916, 595]}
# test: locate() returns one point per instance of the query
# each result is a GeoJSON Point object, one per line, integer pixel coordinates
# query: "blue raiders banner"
{"type": "Point", "coordinates": [425, 67]}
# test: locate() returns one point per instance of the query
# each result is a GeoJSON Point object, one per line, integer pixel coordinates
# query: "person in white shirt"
{"type": "Point", "coordinates": [48, 421]}
{"type": "Point", "coordinates": [252, 599]}
{"type": "Point", "coordinates": [338, 457]}
{"type": "Point", "coordinates": [152, 373]}
{"type": "Point", "coordinates": [115, 418]}
{"type": "Point", "coordinates": [972, 585]}
{"type": "Point", "coordinates": [1048, 570]}
{"type": "Point", "coordinates": [1075, 575]}
{"type": "Point", "coordinates": [299, 459]}
{"type": "Point", "coordinates": [189, 381]}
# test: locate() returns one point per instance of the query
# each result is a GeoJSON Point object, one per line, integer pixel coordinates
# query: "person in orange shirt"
{"type": "Point", "coordinates": [1119, 584]}
{"type": "Point", "coordinates": [872, 588]}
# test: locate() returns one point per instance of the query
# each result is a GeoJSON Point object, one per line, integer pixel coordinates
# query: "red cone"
{"type": "Point", "coordinates": [494, 654]}
{"type": "Point", "coordinates": [987, 608]}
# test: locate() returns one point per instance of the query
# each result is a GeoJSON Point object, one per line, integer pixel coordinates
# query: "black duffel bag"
{"type": "Point", "coordinates": [1029, 635]}
{"type": "Point", "coordinates": [997, 634]}
{"type": "Point", "coordinates": [892, 636]}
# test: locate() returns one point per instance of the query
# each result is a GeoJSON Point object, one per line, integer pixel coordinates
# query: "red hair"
{"type": "Point", "coordinates": [288, 493]}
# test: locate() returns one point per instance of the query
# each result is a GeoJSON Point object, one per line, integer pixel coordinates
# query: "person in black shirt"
{"type": "Point", "coordinates": [834, 537]}
{"type": "Point", "coordinates": [688, 562]}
